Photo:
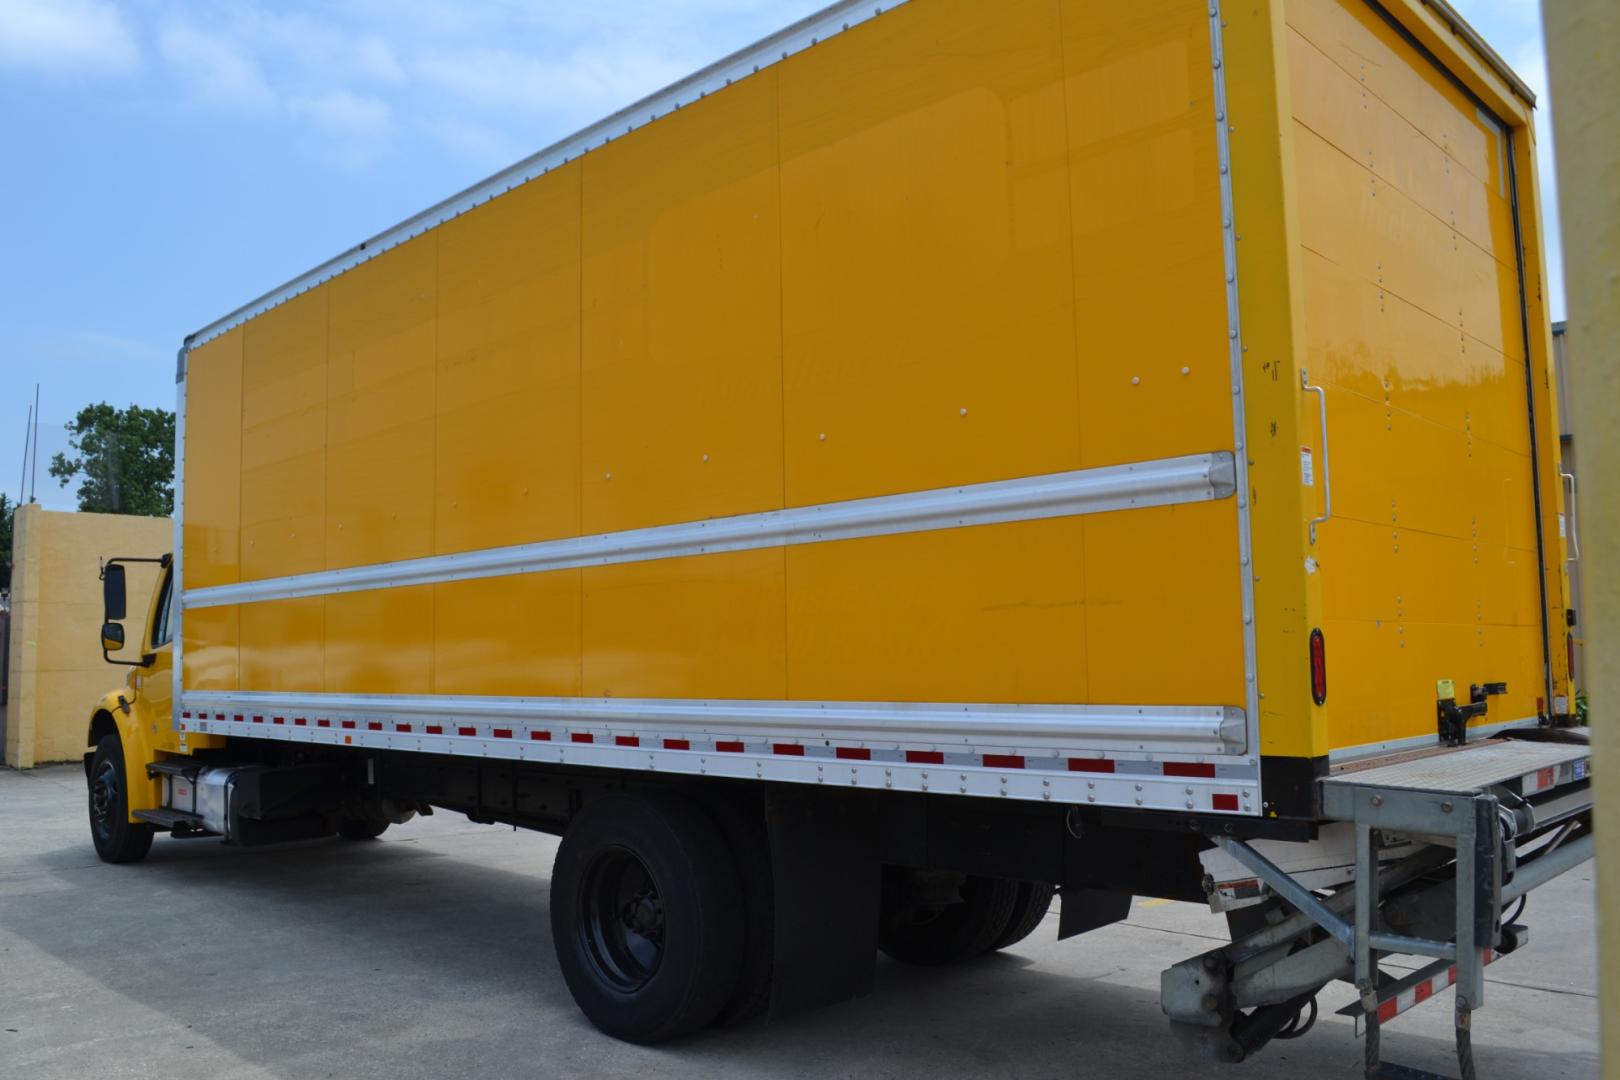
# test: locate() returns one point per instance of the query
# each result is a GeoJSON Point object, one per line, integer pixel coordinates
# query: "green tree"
{"type": "Point", "coordinates": [124, 459]}
{"type": "Point", "coordinates": [7, 513]}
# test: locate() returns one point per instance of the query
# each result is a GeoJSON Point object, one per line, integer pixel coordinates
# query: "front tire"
{"type": "Point", "coordinates": [117, 839]}
{"type": "Point", "coordinates": [646, 907]}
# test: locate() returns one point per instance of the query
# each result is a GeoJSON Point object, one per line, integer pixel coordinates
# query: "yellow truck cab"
{"type": "Point", "coordinates": [950, 455]}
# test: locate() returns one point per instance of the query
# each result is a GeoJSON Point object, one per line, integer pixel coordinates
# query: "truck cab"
{"type": "Point", "coordinates": [133, 725]}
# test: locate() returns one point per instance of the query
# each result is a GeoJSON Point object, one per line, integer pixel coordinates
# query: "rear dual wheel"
{"type": "Point", "coordinates": [932, 919]}
{"type": "Point", "coordinates": [646, 911]}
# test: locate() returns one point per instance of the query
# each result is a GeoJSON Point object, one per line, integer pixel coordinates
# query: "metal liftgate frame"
{"type": "Point", "coordinates": [1470, 810]}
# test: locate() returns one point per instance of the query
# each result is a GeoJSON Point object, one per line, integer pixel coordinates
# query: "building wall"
{"type": "Point", "coordinates": [55, 664]}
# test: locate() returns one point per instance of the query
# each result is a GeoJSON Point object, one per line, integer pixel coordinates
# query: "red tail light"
{"type": "Point", "coordinates": [1318, 668]}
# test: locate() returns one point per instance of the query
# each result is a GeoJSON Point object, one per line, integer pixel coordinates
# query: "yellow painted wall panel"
{"type": "Point", "coordinates": [379, 641]}
{"type": "Point", "coordinates": [682, 372]}
{"type": "Point", "coordinates": [213, 462]}
{"type": "Point", "coordinates": [283, 644]}
{"type": "Point", "coordinates": [928, 319]}
{"type": "Point", "coordinates": [380, 408]}
{"type": "Point", "coordinates": [708, 626]}
{"type": "Point", "coordinates": [284, 439]}
{"type": "Point", "coordinates": [517, 636]}
{"type": "Point", "coordinates": [1145, 189]}
{"type": "Point", "coordinates": [209, 642]}
{"type": "Point", "coordinates": [942, 616]}
{"type": "Point", "coordinates": [1164, 606]}
{"type": "Point", "coordinates": [507, 369]}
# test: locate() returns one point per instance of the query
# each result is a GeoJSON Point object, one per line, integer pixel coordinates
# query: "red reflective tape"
{"type": "Point", "coordinates": [1003, 761]}
{"type": "Point", "coordinates": [582, 736]}
{"type": "Point", "coordinates": [1189, 768]}
{"type": "Point", "coordinates": [539, 736]}
{"type": "Point", "coordinates": [348, 725]}
{"type": "Point", "coordinates": [185, 716]}
{"type": "Point", "coordinates": [403, 729]}
{"type": "Point", "coordinates": [502, 733]}
{"type": "Point", "coordinates": [626, 740]}
{"type": "Point", "coordinates": [788, 749]}
{"type": "Point", "coordinates": [1091, 764]}
{"type": "Point", "coordinates": [258, 719]}
{"type": "Point", "coordinates": [374, 725]}
{"type": "Point", "coordinates": [853, 753]}
{"type": "Point", "coordinates": [221, 716]}
{"type": "Point", "coordinates": [1546, 778]}
{"type": "Point", "coordinates": [1422, 991]}
{"type": "Point", "coordinates": [1224, 801]}
{"type": "Point", "coordinates": [925, 757]}
{"type": "Point", "coordinates": [729, 747]}
{"type": "Point", "coordinates": [1387, 1011]}
{"type": "Point", "coordinates": [677, 744]}
{"type": "Point", "coordinates": [299, 721]}
{"type": "Point", "coordinates": [278, 719]}
{"type": "Point", "coordinates": [323, 723]}
{"type": "Point", "coordinates": [466, 731]}
{"type": "Point", "coordinates": [434, 729]}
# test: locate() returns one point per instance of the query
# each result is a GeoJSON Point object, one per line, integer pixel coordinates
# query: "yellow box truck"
{"type": "Point", "coordinates": [948, 454]}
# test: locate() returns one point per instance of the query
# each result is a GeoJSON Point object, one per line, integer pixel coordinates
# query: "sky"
{"type": "Point", "coordinates": [168, 160]}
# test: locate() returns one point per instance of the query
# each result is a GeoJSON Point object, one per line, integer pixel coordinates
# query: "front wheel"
{"type": "Point", "coordinates": [645, 910]}
{"type": "Point", "coordinates": [117, 839]}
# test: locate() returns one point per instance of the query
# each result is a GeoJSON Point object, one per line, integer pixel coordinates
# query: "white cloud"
{"type": "Point", "coordinates": [356, 127]}
{"type": "Point", "coordinates": [219, 70]}
{"type": "Point", "coordinates": [66, 37]}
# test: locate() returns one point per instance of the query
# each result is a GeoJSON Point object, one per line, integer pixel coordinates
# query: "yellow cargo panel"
{"type": "Point", "coordinates": [928, 309]}
{"type": "Point", "coordinates": [380, 402]}
{"type": "Point", "coordinates": [506, 379]}
{"type": "Point", "coordinates": [284, 405]}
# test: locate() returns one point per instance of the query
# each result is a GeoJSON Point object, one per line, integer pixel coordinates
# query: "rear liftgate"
{"type": "Point", "coordinates": [1431, 851]}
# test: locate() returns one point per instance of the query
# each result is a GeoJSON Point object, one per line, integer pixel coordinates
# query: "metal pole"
{"type": "Point", "coordinates": [22, 482]}
{"type": "Point", "coordinates": [33, 480]}
{"type": "Point", "coordinates": [1583, 38]}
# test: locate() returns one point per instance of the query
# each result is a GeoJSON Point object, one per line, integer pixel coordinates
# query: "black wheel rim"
{"type": "Point", "coordinates": [621, 923]}
{"type": "Point", "coordinates": [104, 800]}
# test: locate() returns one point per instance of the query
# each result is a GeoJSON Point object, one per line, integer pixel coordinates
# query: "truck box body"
{"type": "Point", "coordinates": [918, 405]}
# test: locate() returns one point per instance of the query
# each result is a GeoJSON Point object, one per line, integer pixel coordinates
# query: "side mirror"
{"type": "Point", "coordinates": [113, 602]}
{"type": "Point", "coordinates": [112, 636]}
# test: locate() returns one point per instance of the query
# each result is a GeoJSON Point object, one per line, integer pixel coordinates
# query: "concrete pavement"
{"type": "Point", "coordinates": [426, 954]}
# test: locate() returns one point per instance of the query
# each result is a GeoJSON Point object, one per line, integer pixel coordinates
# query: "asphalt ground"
{"type": "Point", "coordinates": [427, 954]}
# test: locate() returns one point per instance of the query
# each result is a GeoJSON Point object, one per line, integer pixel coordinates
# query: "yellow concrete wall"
{"type": "Point", "coordinates": [57, 672]}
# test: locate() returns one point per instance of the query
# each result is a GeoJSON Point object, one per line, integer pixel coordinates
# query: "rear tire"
{"type": "Point", "coordinates": [361, 828]}
{"type": "Point", "coordinates": [117, 839]}
{"type": "Point", "coordinates": [646, 911]}
{"type": "Point", "coordinates": [1034, 900]}
{"type": "Point", "coordinates": [945, 933]}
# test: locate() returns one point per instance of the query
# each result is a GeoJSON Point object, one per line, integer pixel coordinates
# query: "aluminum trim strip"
{"type": "Point", "coordinates": [1235, 351]}
{"type": "Point", "coordinates": [1344, 754]}
{"type": "Point", "coordinates": [1131, 791]}
{"type": "Point", "coordinates": [1197, 478]}
{"type": "Point", "coordinates": [806, 33]}
{"type": "Point", "coordinates": [1187, 729]}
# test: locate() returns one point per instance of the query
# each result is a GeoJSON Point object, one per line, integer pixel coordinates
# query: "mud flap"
{"type": "Point", "coordinates": [1090, 909]}
{"type": "Point", "coordinates": [824, 858]}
